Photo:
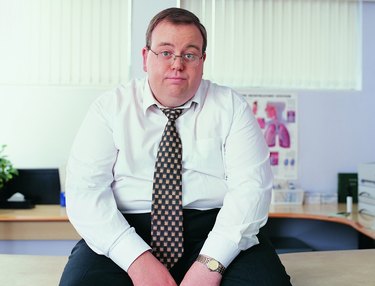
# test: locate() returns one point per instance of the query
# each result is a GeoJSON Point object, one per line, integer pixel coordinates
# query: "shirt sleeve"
{"type": "Point", "coordinates": [91, 205]}
{"type": "Point", "coordinates": [249, 181]}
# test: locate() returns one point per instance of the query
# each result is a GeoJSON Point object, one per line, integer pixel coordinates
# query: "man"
{"type": "Point", "coordinates": [226, 177]}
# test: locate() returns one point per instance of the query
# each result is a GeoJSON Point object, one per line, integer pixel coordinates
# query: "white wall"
{"type": "Point", "coordinates": [39, 123]}
{"type": "Point", "coordinates": [337, 129]}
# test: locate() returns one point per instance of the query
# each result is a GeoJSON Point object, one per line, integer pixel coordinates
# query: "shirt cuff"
{"type": "Point", "coordinates": [221, 249]}
{"type": "Point", "coordinates": [128, 248]}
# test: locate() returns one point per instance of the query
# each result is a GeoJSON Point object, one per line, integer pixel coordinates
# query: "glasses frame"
{"type": "Point", "coordinates": [182, 58]}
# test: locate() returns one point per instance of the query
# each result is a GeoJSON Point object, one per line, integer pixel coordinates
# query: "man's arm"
{"type": "Point", "coordinates": [246, 204]}
{"type": "Point", "coordinates": [91, 205]}
{"type": "Point", "coordinates": [199, 274]}
{"type": "Point", "coordinates": [148, 270]}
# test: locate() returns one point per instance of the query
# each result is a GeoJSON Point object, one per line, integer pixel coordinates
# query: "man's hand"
{"type": "Point", "coordinates": [147, 270]}
{"type": "Point", "coordinates": [199, 274]}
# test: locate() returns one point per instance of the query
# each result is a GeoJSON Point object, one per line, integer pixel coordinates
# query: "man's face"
{"type": "Point", "coordinates": [174, 82]}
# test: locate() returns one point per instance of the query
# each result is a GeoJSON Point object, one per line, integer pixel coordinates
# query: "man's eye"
{"type": "Point", "coordinates": [166, 54]}
{"type": "Point", "coordinates": [189, 57]}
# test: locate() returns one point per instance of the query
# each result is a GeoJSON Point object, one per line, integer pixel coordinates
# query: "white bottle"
{"type": "Point", "coordinates": [349, 204]}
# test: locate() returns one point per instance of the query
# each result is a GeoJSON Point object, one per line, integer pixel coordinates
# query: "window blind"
{"type": "Point", "coordinates": [64, 42]}
{"type": "Point", "coordinates": [301, 44]}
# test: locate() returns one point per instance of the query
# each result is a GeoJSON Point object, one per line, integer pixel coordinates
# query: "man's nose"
{"type": "Point", "coordinates": [178, 62]}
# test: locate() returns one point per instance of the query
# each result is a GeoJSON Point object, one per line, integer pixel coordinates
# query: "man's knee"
{"type": "Point", "coordinates": [85, 267]}
{"type": "Point", "coordinates": [258, 266]}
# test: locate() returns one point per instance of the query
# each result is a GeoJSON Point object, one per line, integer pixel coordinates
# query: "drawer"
{"type": "Point", "coordinates": [366, 208]}
{"type": "Point", "coordinates": [366, 192]}
{"type": "Point", "coordinates": [366, 174]}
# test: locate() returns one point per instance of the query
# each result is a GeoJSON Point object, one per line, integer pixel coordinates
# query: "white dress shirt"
{"type": "Point", "coordinates": [225, 165]}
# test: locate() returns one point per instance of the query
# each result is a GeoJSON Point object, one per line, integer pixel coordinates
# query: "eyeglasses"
{"type": "Point", "coordinates": [167, 57]}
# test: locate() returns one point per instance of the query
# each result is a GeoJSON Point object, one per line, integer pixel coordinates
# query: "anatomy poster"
{"type": "Point", "coordinates": [277, 117]}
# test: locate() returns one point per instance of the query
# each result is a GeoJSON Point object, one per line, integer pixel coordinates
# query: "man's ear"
{"type": "Point", "coordinates": [145, 55]}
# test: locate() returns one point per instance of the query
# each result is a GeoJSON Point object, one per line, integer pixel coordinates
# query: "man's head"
{"type": "Point", "coordinates": [176, 16]}
{"type": "Point", "coordinates": [173, 56]}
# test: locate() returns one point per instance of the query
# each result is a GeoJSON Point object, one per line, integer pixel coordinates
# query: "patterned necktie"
{"type": "Point", "coordinates": [166, 213]}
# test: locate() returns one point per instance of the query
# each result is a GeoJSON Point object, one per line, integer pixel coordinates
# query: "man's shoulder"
{"type": "Point", "coordinates": [209, 84]}
{"type": "Point", "coordinates": [134, 87]}
{"type": "Point", "coordinates": [217, 91]}
{"type": "Point", "coordinates": [124, 91]}
{"type": "Point", "coordinates": [120, 97]}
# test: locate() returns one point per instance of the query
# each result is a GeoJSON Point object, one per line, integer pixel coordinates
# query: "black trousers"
{"type": "Point", "coordinates": [258, 266]}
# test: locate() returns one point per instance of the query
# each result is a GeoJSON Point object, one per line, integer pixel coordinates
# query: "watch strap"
{"type": "Point", "coordinates": [211, 263]}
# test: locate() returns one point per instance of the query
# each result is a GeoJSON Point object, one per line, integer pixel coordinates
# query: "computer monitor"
{"type": "Point", "coordinates": [40, 186]}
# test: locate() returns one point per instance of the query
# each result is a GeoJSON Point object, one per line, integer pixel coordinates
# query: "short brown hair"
{"type": "Point", "coordinates": [176, 16]}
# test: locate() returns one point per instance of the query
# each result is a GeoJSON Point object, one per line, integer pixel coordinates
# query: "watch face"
{"type": "Point", "coordinates": [213, 265]}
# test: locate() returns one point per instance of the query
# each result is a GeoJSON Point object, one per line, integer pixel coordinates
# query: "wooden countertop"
{"type": "Point", "coordinates": [55, 217]}
{"type": "Point", "coordinates": [327, 212]}
{"type": "Point", "coordinates": [39, 213]}
{"type": "Point", "coordinates": [44, 222]}
{"type": "Point", "coordinates": [331, 268]}
{"type": "Point", "coordinates": [20, 270]}
{"type": "Point", "coordinates": [323, 268]}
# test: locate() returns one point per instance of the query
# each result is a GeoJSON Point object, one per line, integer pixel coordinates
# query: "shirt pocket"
{"type": "Point", "coordinates": [206, 157]}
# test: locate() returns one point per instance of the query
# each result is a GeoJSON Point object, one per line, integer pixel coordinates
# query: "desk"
{"type": "Point", "coordinates": [331, 268]}
{"type": "Point", "coordinates": [44, 222]}
{"type": "Point", "coordinates": [50, 222]}
{"type": "Point", "coordinates": [326, 268]}
{"type": "Point", "coordinates": [21, 270]}
{"type": "Point", "coordinates": [327, 212]}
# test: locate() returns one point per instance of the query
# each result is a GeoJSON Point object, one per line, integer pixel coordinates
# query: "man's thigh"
{"type": "Point", "coordinates": [85, 267]}
{"type": "Point", "coordinates": [257, 266]}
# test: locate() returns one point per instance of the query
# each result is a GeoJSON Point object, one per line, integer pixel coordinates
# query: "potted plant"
{"type": "Point", "coordinates": [7, 171]}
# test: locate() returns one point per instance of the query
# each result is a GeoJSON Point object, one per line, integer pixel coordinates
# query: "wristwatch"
{"type": "Point", "coordinates": [212, 264]}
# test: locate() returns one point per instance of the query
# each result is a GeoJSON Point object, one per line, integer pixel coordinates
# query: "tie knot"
{"type": "Point", "coordinates": [172, 113]}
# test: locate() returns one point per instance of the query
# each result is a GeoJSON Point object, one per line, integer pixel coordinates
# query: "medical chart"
{"type": "Point", "coordinates": [277, 117]}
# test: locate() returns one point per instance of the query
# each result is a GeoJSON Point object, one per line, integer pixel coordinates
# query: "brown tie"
{"type": "Point", "coordinates": [166, 213]}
